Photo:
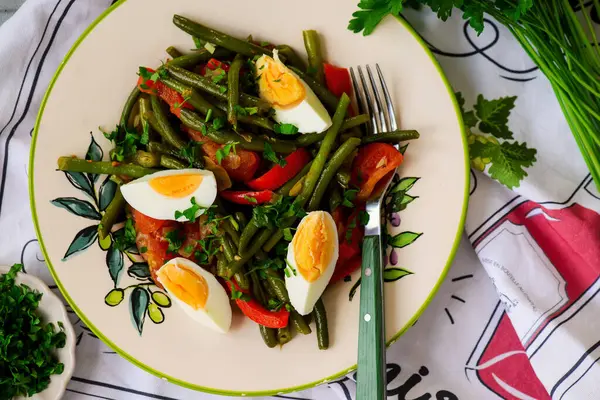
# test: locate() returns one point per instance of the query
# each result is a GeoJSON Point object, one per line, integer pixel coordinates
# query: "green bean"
{"type": "Point", "coordinates": [166, 130]}
{"type": "Point", "coordinates": [247, 235]}
{"type": "Point", "coordinates": [277, 284]}
{"type": "Point", "coordinates": [71, 164]}
{"type": "Point", "coordinates": [292, 58]}
{"type": "Point", "coordinates": [146, 159]}
{"type": "Point", "coordinates": [312, 43]}
{"type": "Point", "coordinates": [115, 207]}
{"type": "Point", "coordinates": [273, 240]}
{"type": "Point", "coordinates": [129, 104]}
{"type": "Point", "coordinates": [198, 56]}
{"type": "Point", "coordinates": [192, 120]}
{"type": "Point", "coordinates": [241, 219]}
{"type": "Point", "coordinates": [221, 265]}
{"type": "Point", "coordinates": [219, 38]}
{"type": "Point", "coordinates": [268, 289]}
{"type": "Point", "coordinates": [233, 89]}
{"type": "Point", "coordinates": [233, 234]}
{"type": "Point", "coordinates": [208, 86]}
{"type": "Point", "coordinates": [392, 137]}
{"type": "Point", "coordinates": [335, 199]}
{"type": "Point", "coordinates": [349, 123]}
{"type": "Point", "coordinates": [173, 52]}
{"type": "Point", "coordinates": [193, 97]}
{"type": "Point", "coordinates": [260, 240]}
{"type": "Point", "coordinates": [318, 164]}
{"type": "Point", "coordinates": [343, 177]}
{"type": "Point", "coordinates": [171, 162]}
{"type": "Point", "coordinates": [300, 323]}
{"type": "Point", "coordinates": [284, 335]}
{"type": "Point", "coordinates": [145, 109]}
{"type": "Point", "coordinates": [163, 148]}
{"type": "Point", "coordinates": [269, 336]}
{"type": "Point", "coordinates": [329, 99]}
{"type": "Point", "coordinates": [320, 316]}
{"type": "Point", "coordinates": [256, 120]}
{"type": "Point", "coordinates": [228, 248]}
{"type": "Point", "coordinates": [285, 189]}
{"type": "Point", "coordinates": [336, 161]}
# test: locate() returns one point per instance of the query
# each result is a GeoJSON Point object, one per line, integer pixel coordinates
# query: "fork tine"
{"type": "Point", "coordinates": [361, 99]}
{"type": "Point", "coordinates": [388, 100]}
{"type": "Point", "coordinates": [373, 113]}
{"type": "Point", "coordinates": [379, 104]}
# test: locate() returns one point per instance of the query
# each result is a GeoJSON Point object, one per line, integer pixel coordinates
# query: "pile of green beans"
{"type": "Point", "coordinates": [163, 139]}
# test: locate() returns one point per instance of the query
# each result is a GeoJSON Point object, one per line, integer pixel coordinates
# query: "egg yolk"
{"type": "Point", "coordinates": [313, 246]}
{"type": "Point", "coordinates": [277, 84]}
{"type": "Point", "coordinates": [184, 284]}
{"type": "Point", "coordinates": [176, 186]}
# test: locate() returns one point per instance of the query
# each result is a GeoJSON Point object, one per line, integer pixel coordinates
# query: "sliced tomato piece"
{"type": "Point", "coordinates": [373, 162]}
{"type": "Point", "coordinates": [146, 224]}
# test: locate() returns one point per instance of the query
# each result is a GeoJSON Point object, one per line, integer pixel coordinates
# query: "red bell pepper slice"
{"type": "Point", "coordinates": [173, 98]}
{"type": "Point", "coordinates": [337, 79]}
{"type": "Point", "coordinates": [345, 268]}
{"type": "Point", "coordinates": [373, 162]}
{"type": "Point", "coordinates": [259, 314]}
{"type": "Point", "coordinates": [247, 197]}
{"type": "Point", "coordinates": [277, 176]}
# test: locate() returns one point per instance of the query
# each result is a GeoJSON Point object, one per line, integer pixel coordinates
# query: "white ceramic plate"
{"type": "Point", "coordinates": [89, 90]}
{"type": "Point", "coordinates": [51, 309]}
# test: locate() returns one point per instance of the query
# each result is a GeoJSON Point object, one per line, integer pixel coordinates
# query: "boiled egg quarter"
{"type": "Point", "coordinates": [161, 194]}
{"type": "Point", "coordinates": [198, 292]}
{"type": "Point", "coordinates": [312, 256]}
{"type": "Point", "coordinates": [292, 99]}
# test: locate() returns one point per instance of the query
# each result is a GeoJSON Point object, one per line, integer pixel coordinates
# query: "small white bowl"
{"type": "Point", "coordinates": [52, 309]}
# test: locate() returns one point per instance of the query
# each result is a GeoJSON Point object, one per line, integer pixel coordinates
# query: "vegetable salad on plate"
{"type": "Point", "coordinates": [243, 174]}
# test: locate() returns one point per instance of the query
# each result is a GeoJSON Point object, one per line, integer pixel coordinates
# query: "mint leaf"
{"type": "Point", "coordinates": [494, 114]}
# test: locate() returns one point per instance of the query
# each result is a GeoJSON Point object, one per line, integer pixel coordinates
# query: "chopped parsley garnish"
{"type": "Point", "coordinates": [218, 123]}
{"type": "Point", "coordinates": [190, 213]}
{"type": "Point", "coordinates": [363, 218]}
{"type": "Point", "coordinates": [208, 115]}
{"type": "Point", "coordinates": [261, 266]}
{"type": "Point", "coordinates": [177, 105]}
{"type": "Point", "coordinates": [125, 143]}
{"type": "Point", "coordinates": [225, 151]}
{"type": "Point", "coordinates": [198, 42]}
{"type": "Point", "coordinates": [209, 247]}
{"type": "Point", "coordinates": [275, 215]}
{"type": "Point", "coordinates": [275, 304]}
{"type": "Point", "coordinates": [350, 229]}
{"type": "Point", "coordinates": [349, 196]}
{"type": "Point", "coordinates": [124, 238]}
{"type": "Point", "coordinates": [238, 295]}
{"type": "Point", "coordinates": [285, 129]}
{"type": "Point", "coordinates": [245, 111]}
{"type": "Point", "coordinates": [143, 249]}
{"type": "Point", "coordinates": [175, 239]}
{"type": "Point", "coordinates": [270, 155]}
{"type": "Point", "coordinates": [219, 75]}
{"type": "Point", "coordinates": [222, 89]}
{"type": "Point", "coordinates": [190, 152]}
{"type": "Point", "coordinates": [287, 234]}
{"type": "Point", "coordinates": [28, 356]}
{"type": "Point", "coordinates": [250, 199]}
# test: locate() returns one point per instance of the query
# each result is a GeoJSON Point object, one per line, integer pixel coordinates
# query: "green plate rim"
{"type": "Point", "coordinates": [187, 385]}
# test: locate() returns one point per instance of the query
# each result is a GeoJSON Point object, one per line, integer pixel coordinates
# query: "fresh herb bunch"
{"type": "Point", "coordinates": [27, 345]}
{"type": "Point", "coordinates": [561, 42]}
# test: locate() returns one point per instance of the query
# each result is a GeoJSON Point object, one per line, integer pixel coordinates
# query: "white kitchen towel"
{"type": "Point", "coordinates": [529, 332]}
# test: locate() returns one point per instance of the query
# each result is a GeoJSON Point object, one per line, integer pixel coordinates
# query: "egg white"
{"type": "Point", "coordinates": [140, 195]}
{"type": "Point", "coordinates": [217, 311]}
{"type": "Point", "coordinates": [304, 294]}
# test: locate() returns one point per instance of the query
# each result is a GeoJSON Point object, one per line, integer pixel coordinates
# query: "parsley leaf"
{"type": "Point", "coordinates": [276, 214]}
{"type": "Point", "coordinates": [285, 129]}
{"type": "Point", "coordinates": [28, 358]}
{"type": "Point", "coordinates": [238, 295]}
{"type": "Point", "coordinates": [124, 238]}
{"type": "Point", "coordinates": [225, 151]}
{"type": "Point", "coordinates": [494, 115]}
{"type": "Point", "coordinates": [349, 196]}
{"type": "Point", "coordinates": [245, 111]}
{"type": "Point", "coordinates": [288, 235]}
{"type": "Point", "coordinates": [507, 160]}
{"type": "Point", "coordinates": [190, 213]}
{"type": "Point", "coordinates": [270, 155]}
{"type": "Point", "coordinates": [175, 239]}
{"type": "Point", "coordinates": [218, 123]}
{"type": "Point", "coordinates": [363, 218]}
{"type": "Point", "coordinates": [125, 143]}
{"type": "Point", "coordinates": [190, 152]}
{"type": "Point", "coordinates": [250, 199]}
{"type": "Point", "coordinates": [219, 75]}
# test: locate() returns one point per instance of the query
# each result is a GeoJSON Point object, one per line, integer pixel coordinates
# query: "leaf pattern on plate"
{"type": "Point", "coordinates": [84, 239]}
{"type": "Point", "coordinates": [106, 193]}
{"type": "Point", "coordinates": [139, 270]}
{"type": "Point", "coordinates": [142, 299]}
{"type": "Point", "coordinates": [138, 305]}
{"type": "Point", "coordinates": [81, 208]}
{"type": "Point", "coordinates": [397, 199]}
{"type": "Point", "coordinates": [115, 263]}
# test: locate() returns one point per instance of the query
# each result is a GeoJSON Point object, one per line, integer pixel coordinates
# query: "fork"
{"type": "Point", "coordinates": [371, 375]}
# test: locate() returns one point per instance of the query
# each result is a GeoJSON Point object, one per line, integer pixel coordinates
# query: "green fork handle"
{"type": "Point", "coordinates": [371, 378]}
